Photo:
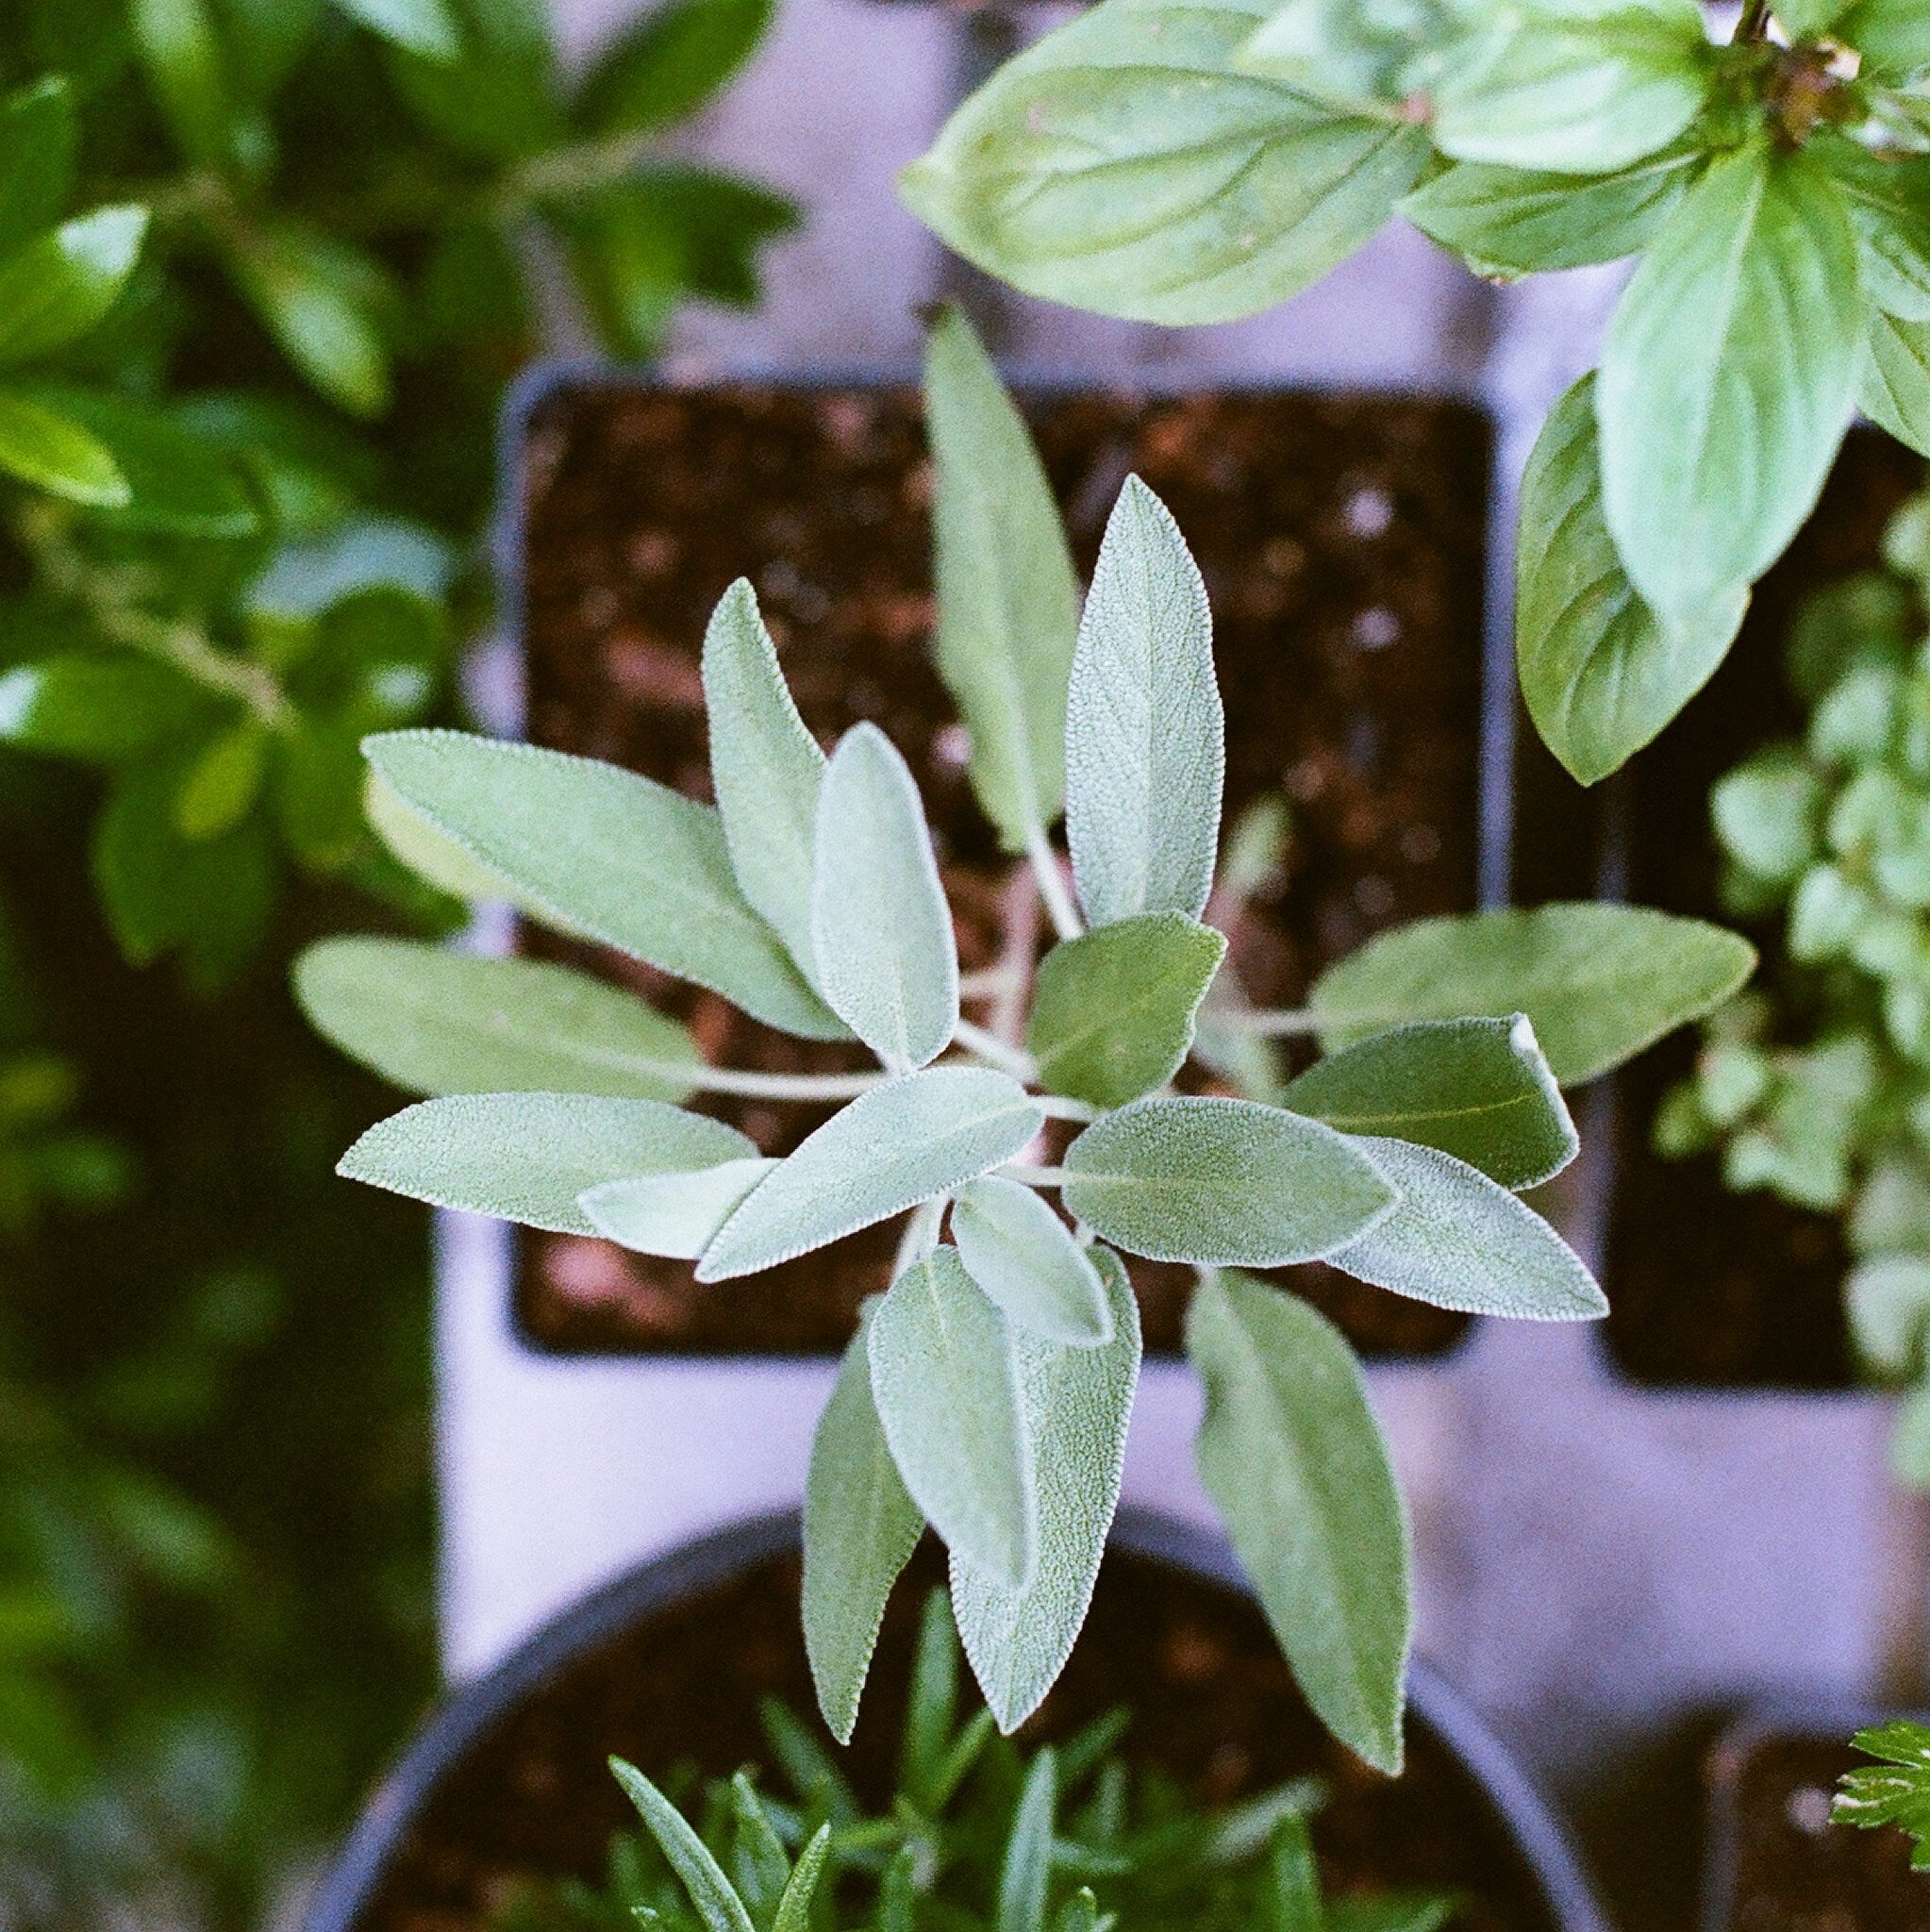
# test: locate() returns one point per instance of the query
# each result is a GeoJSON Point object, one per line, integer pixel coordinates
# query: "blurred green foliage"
{"type": "Point", "coordinates": [265, 269]}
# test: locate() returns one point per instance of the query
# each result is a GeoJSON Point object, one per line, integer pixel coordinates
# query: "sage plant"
{"type": "Point", "coordinates": [987, 1391]}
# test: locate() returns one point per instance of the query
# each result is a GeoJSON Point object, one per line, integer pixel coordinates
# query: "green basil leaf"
{"type": "Point", "coordinates": [1598, 982]}
{"type": "Point", "coordinates": [1027, 1869]}
{"type": "Point", "coordinates": [765, 767]}
{"type": "Point", "coordinates": [860, 1527]}
{"type": "Point", "coordinates": [1075, 1404]}
{"type": "Point", "coordinates": [947, 1395]}
{"type": "Point", "coordinates": [527, 1157]}
{"type": "Point", "coordinates": [1459, 1241]}
{"type": "Point", "coordinates": [1582, 91]}
{"type": "Point", "coordinates": [1008, 602]}
{"type": "Point", "coordinates": [664, 66]}
{"type": "Point", "coordinates": [1291, 1453]}
{"type": "Point", "coordinates": [499, 100]}
{"type": "Point", "coordinates": [1893, 36]}
{"type": "Point", "coordinates": [1505, 221]}
{"type": "Point", "coordinates": [53, 452]}
{"type": "Point", "coordinates": [1602, 671]}
{"type": "Point", "coordinates": [440, 1022]}
{"type": "Point", "coordinates": [893, 1147]}
{"type": "Point", "coordinates": [104, 705]}
{"type": "Point", "coordinates": [1123, 164]}
{"type": "Point", "coordinates": [1031, 1269]}
{"type": "Point", "coordinates": [718, 1906]}
{"type": "Point", "coordinates": [1728, 377]}
{"type": "Point", "coordinates": [604, 853]}
{"type": "Point", "coordinates": [1889, 210]}
{"type": "Point", "coordinates": [1145, 735]}
{"type": "Point", "coordinates": [420, 26]}
{"type": "Point", "coordinates": [39, 135]}
{"type": "Point", "coordinates": [673, 1214]}
{"type": "Point", "coordinates": [1222, 1182]}
{"type": "Point", "coordinates": [1896, 382]}
{"type": "Point", "coordinates": [317, 296]}
{"type": "Point", "coordinates": [1112, 1012]}
{"type": "Point", "coordinates": [61, 284]}
{"type": "Point", "coordinates": [881, 931]}
{"type": "Point", "coordinates": [1479, 1090]}
{"type": "Point", "coordinates": [1337, 51]}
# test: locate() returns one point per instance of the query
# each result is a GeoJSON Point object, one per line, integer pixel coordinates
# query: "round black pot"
{"type": "Point", "coordinates": [1512, 1811]}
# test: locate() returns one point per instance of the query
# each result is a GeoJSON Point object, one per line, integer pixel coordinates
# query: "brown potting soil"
{"type": "Point", "coordinates": [1340, 540]}
{"type": "Point", "coordinates": [1213, 1705]}
{"type": "Point", "coordinates": [1706, 1286]}
{"type": "Point", "coordinates": [1796, 1871]}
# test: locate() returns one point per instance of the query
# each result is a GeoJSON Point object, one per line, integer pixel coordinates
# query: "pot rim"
{"type": "Point", "coordinates": [470, 1711]}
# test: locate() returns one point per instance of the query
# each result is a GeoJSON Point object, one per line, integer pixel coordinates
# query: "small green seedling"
{"type": "Point", "coordinates": [1895, 1790]}
{"type": "Point", "coordinates": [978, 1835]}
{"type": "Point", "coordinates": [1196, 160]}
{"type": "Point", "coordinates": [988, 1393]}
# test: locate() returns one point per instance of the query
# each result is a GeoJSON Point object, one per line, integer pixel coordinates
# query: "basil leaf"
{"type": "Point", "coordinates": [947, 1395]}
{"type": "Point", "coordinates": [1479, 1090]}
{"type": "Point", "coordinates": [1598, 982]}
{"type": "Point", "coordinates": [765, 769]}
{"type": "Point", "coordinates": [1728, 377]}
{"type": "Point", "coordinates": [63, 283]}
{"type": "Point", "coordinates": [1602, 671]}
{"type": "Point", "coordinates": [1896, 383]}
{"type": "Point", "coordinates": [1458, 1240]}
{"type": "Point", "coordinates": [604, 853]}
{"type": "Point", "coordinates": [1145, 735]}
{"type": "Point", "coordinates": [1291, 1453]}
{"type": "Point", "coordinates": [527, 1157]}
{"type": "Point", "coordinates": [891, 1148]}
{"type": "Point", "coordinates": [881, 931]}
{"type": "Point", "coordinates": [1222, 1182]}
{"type": "Point", "coordinates": [1889, 210]}
{"type": "Point", "coordinates": [860, 1527]}
{"type": "Point", "coordinates": [1075, 1404]}
{"type": "Point", "coordinates": [1008, 602]}
{"type": "Point", "coordinates": [1026, 1259]}
{"type": "Point", "coordinates": [673, 1214]}
{"type": "Point", "coordinates": [1123, 164]}
{"type": "Point", "coordinates": [1506, 221]}
{"type": "Point", "coordinates": [1113, 1010]}
{"type": "Point", "coordinates": [53, 453]}
{"type": "Point", "coordinates": [1893, 36]}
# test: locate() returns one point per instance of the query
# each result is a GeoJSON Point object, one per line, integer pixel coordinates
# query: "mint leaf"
{"type": "Point", "coordinates": [1008, 601]}
{"type": "Point", "coordinates": [1479, 1090]}
{"type": "Point", "coordinates": [860, 1526]}
{"type": "Point", "coordinates": [1145, 735]}
{"type": "Point", "coordinates": [1728, 377]}
{"type": "Point", "coordinates": [890, 1149]}
{"type": "Point", "coordinates": [1291, 1453]}
{"type": "Point", "coordinates": [1026, 1259]}
{"type": "Point", "coordinates": [1222, 1182]}
{"type": "Point", "coordinates": [947, 1395]}
{"type": "Point", "coordinates": [1598, 982]}
{"type": "Point", "coordinates": [1113, 1010]}
{"type": "Point", "coordinates": [881, 931]}
{"type": "Point", "coordinates": [527, 1157]}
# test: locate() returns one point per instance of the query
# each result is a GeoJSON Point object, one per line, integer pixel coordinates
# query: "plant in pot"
{"type": "Point", "coordinates": [1185, 163]}
{"type": "Point", "coordinates": [987, 1394]}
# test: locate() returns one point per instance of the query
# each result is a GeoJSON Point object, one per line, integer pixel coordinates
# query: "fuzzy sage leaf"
{"type": "Point", "coordinates": [1113, 1010]}
{"type": "Point", "coordinates": [860, 1526]}
{"type": "Point", "coordinates": [528, 1157]}
{"type": "Point", "coordinates": [947, 1395]}
{"type": "Point", "coordinates": [438, 1022]}
{"type": "Point", "coordinates": [1480, 1090]}
{"type": "Point", "coordinates": [1598, 982]}
{"type": "Point", "coordinates": [891, 1148]}
{"type": "Point", "coordinates": [1008, 602]}
{"type": "Point", "coordinates": [1222, 1182]}
{"type": "Point", "coordinates": [604, 853]}
{"type": "Point", "coordinates": [1075, 1404]}
{"type": "Point", "coordinates": [1026, 1259]}
{"type": "Point", "coordinates": [765, 769]}
{"type": "Point", "coordinates": [676, 1214]}
{"type": "Point", "coordinates": [1146, 736]}
{"type": "Point", "coordinates": [880, 929]}
{"type": "Point", "coordinates": [1291, 1453]}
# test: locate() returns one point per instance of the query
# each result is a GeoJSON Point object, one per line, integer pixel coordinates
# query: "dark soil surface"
{"type": "Point", "coordinates": [1706, 1286]}
{"type": "Point", "coordinates": [1796, 1871]}
{"type": "Point", "coordinates": [1340, 540]}
{"type": "Point", "coordinates": [1215, 1708]}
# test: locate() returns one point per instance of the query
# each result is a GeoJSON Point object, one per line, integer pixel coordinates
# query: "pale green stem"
{"type": "Point", "coordinates": [1036, 1176]}
{"type": "Point", "coordinates": [995, 1051]}
{"type": "Point", "coordinates": [987, 985]}
{"type": "Point", "coordinates": [750, 1086]}
{"type": "Point", "coordinates": [1055, 1107]}
{"type": "Point", "coordinates": [919, 1240]}
{"type": "Point", "coordinates": [1278, 1024]}
{"type": "Point", "coordinates": [1052, 884]}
